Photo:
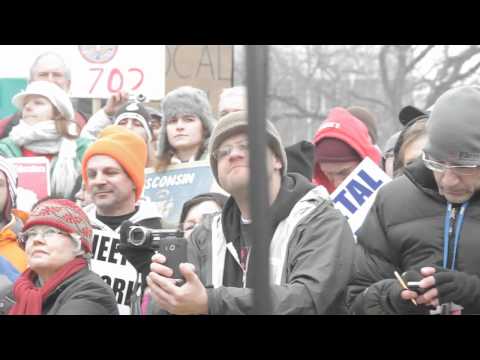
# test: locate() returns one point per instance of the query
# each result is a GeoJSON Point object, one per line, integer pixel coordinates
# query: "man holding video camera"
{"type": "Point", "coordinates": [311, 243]}
{"type": "Point", "coordinates": [113, 171]}
{"type": "Point", "coordinates": [425, 224]}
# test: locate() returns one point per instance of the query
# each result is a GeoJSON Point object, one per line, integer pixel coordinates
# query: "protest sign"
{"type": "Point", "coordinates": [97, 71]}
{"type": "Point", "coordinates": [33, 180]}
{"type": "Point", "coordinates": [170, 189]}
{"type": "Point", "coordinates": [113, 267]}
{"type": "Point", "coordinates": [208, 67]}
{"type": "Point", "coordinates": [355, 195]}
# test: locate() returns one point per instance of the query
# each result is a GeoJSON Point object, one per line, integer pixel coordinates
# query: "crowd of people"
{"type": "Point", "coordinates": [413, 254]}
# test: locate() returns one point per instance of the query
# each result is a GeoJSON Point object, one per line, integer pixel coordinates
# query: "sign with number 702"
{"type": "Point", "coordinates": [101, 70]}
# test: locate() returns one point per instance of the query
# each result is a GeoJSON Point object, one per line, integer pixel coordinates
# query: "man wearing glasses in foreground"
{"type": "Point", "coordinates": [311, 244]}
{"type": "Point", "coordinates": [426, 224]}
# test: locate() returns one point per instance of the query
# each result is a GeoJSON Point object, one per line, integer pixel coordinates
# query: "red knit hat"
{"type": "Point", "coordinates": [65, 215]}
{"type": "Point", "coordinates": [335, 150]}
{"type": "Point", "coordinates": [124, 146]}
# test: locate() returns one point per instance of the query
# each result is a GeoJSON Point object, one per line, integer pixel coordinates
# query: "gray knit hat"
{"type": "Point", "coordinates": [185, 100]}
{"type": "Point", "coordinates": [237, 122]}
{"type": "Point", "coordinates": [453, 129]}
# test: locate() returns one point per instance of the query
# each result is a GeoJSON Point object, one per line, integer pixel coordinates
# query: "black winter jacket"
{"type": "Point", "coordinates": [84, 293]}
{"type": "Point", "coordinates": [404, 231]}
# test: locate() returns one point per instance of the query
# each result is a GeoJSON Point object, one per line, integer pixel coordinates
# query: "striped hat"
{"type": "Point", "coordinates": [65, 215]}
{"type": "Point", "coordinates": [135, 110]}
{"type": "Point", "coordinates": [12, 180]}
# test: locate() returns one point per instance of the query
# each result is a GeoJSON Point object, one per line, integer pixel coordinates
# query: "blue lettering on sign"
{"type": "Point", "coordinates": [345, 202]}
{"type": "Point", "coordinates": [358, 191]}
{"type": "Point", "coordinates": [374, 185]}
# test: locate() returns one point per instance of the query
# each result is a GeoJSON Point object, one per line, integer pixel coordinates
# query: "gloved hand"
{"type": "Point", "coordinates": [458, 287]}
{"type": "Point", "coordinates": [400, 305]}
{"type": "Point", "coordinates": [139, 257]}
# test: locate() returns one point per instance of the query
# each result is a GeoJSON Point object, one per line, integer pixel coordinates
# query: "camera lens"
{"type": "Point", "coordinates": [137, 237]}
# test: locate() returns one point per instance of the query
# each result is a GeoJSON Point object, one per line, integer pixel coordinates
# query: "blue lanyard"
{"type": "Point", "coordinates": [458, 229]}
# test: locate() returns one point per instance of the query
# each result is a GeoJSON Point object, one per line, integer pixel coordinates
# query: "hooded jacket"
{"type": "Point", "coordinates": [404, 231]}
{"type": "Point", "coordinates": [342, 125]}
{"type": "Point", "coordinates": [311, 254]}
{"type": "Point", "coordinates": [147, 215]}
{"type": "Point", "coordinates": [8, 241]}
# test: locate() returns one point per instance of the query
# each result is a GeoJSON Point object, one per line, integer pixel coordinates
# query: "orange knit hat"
{"type": "Point", "coordinates": [126, 147]}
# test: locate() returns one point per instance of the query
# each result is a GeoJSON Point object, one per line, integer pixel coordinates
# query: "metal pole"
{"type": "Point", "coordinates": [257, 81]}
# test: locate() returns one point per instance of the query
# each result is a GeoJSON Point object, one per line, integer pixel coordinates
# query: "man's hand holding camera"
{"type": "Point", "coordinates": [188, 299]}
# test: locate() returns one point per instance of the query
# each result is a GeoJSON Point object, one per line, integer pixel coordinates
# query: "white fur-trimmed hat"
{"type": "Point", "coordinates": [57, 96]}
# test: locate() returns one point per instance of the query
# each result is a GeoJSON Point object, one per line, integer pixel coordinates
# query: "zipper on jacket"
{"type": "Point", "coordinates": [246, 268]}
{"type": "Point", "coordinates": [451, 230]}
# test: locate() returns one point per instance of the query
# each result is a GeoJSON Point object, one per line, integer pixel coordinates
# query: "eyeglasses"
{"type": "Point", "coordinates": [46, 234]}
{"type": "Point", "coordinates": [441, 168]}
{"type": "Point", "coordinates": [226, 150]}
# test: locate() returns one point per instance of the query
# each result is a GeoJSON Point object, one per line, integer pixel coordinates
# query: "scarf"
{"type": "Point", "coordinates": [42, 137]}
{"type": "Point", "coordinates": [29, 299]}
{"type": "Point", "coordinates": [65, 169]}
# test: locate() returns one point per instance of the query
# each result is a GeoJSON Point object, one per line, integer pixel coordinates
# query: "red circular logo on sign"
{"type": "Point", "coordinates": [98, 54]}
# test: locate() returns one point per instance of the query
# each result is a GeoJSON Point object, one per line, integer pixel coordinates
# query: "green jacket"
{"type": "Point", "coordinates": [10, 150]}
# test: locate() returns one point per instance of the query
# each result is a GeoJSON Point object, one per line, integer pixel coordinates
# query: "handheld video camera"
{"type": "Point", "coordinates": [170, 243]}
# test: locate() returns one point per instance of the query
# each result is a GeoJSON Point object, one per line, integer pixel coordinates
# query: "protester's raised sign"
{"type": "Point", "coordinates": [355, 195]}
{"type": "Point", "coordinates": [208, 67]}
{"type": "Point", "coordinates": [170, 189]}
{"type": "Point", "coordinates": [113, 267]}
{"type": "Point", "coordinates": [33, 180]}
{"type": "Point", "coordinates": [97, 71]}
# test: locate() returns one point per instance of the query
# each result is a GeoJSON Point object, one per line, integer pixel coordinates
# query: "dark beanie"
{"type": "Point", "coordinates": [300, 158]}
{"type": "Point", "coordinates": [335, 150]}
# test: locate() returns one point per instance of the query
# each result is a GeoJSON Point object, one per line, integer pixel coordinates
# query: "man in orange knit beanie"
{"type": "Point", "coordinates": [113, 171]}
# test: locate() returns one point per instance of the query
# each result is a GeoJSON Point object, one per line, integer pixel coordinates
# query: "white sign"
{"type": "Point", "coordinates": [97, 70]}
{"type": "Point", "coordinates": [355, 195]}
{"type": "Point", "coordinates": [33, 180]}
{"type": "Point", "coordinates": [113, 268]}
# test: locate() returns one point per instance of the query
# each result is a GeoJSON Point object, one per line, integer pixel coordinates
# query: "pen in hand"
{"type": "Point", "coordinates": [400, 280]}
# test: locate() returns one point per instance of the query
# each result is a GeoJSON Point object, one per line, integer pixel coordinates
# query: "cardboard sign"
{"type": "Point", "coordinates": [170, 189]}
{"type": "Point", "coordinates": [97, 71]}
{"type": "Point", "coordinates": [208, 67]}
{"type": "Point", "coordinates": [113, 267]}
{"type": "Point", "coordinates": [33, 180]}
{"type": "Point", "coordinates": [355, 195]}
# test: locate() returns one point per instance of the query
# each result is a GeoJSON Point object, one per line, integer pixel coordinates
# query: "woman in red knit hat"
{"type": "Point", "coordinates": [57, 239]}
